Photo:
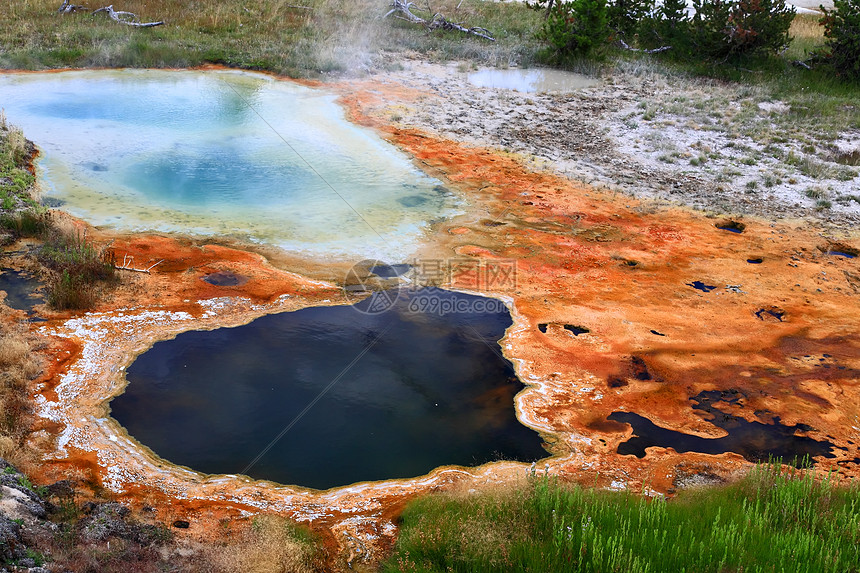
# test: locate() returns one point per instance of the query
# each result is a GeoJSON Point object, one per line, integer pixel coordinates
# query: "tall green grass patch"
{"type": "Point", "coordinates": [80, 270]}
{"type": "Point", "coordinates": [15, 180]}
{"type": "Point", "coordinates": [20, 216]}
{"type": "Point", "coordinates": [774, 520]}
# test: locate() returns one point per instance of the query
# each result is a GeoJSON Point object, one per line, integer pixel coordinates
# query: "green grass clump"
{"type": "Point", "coordinates": [15, 179]}
{"type": "Point", "coordinates": [79, 270]}
{"type": "Point", "coordinates": [774, 520]}
{"type": "Point", "coordinates": [20, 216]}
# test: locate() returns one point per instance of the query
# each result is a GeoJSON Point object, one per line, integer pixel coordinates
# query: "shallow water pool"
{"type": "Point", "coordinates": [532, 80]}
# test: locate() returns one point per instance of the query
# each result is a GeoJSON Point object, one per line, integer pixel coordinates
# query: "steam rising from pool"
{"type": "Point", "coordinates": [222, 153]}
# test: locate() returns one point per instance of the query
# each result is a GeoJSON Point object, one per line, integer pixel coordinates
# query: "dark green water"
{"type": "Point", "coordinates": [424, 390]}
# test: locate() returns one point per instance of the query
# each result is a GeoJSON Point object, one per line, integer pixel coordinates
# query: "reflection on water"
{"type": "Point", "coordinates": [425, 390]}
{"type": "Point", "coordinates": [20, 289]}
{"type": "Point", "coordinates": [532, 80]}
{"type": "Point", "coordinates": [223, 153]}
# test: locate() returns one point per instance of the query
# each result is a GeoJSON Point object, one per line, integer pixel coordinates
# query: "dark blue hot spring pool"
{"type": "Point", "coordinates": [329, 396]}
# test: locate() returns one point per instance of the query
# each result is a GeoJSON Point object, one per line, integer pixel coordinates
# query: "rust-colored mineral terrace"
{"type": "Point", "coordinates": [782, 331]}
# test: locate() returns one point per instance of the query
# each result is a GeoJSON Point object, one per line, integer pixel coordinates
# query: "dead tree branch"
{"type": "Point", "coordinates": [403, 10]}
{"type": "Point", "coordinates": [127, 18]}
{"type": "Point", "coordinates": [654, 51]}
{"type": "Point", "coordinates": [127, 261]}
{"type": "Point", "coordinates": [68, 8]}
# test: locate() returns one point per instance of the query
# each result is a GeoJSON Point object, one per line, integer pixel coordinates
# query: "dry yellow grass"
{"type": "Point", "coordinates": [13, 351]}
{"type": "Point", "coordinates": [270, 546]}
{"type": "Point", "coordinates": [806, 26]}
{"type": "Point", "coordinates": [807, 36]}
{"type": "Point", "coordinates": [18, 366]}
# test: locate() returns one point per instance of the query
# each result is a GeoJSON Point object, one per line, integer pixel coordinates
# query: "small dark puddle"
{"type": "Point", "coordinates": [412, 200]}
{"type": "Point", "coordinates": [774, 312]}
{"type": "Point", "coordinates": [52, 202]}
{"type": "Point", "coordinates": [576, 330]}
{"type": "Point", "coordinates": [489, 223]}
{"type": "Point", "coordinates": [225, 278]}
{"type": "Point", "coordinates": [390, 271]}
{"type": "Point", "coordinates": [699, 285]}
{"type": "Point", "coordinates": [399, 393]}
{"type": "Point", "coordinates": [21, 289]}
{"type": "Point", "coordinates": [731, 226]}
{"type": "Point", "coordinates": [755, 261]}
{"type": "Point", "coordinates": [755, 441]}
{"type": "Point", "coordinates": [842, 254]}
{"type": "Point", "coordinates": [841, 250]}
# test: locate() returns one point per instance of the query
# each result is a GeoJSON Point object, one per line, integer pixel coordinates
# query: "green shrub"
{"type": "Point", "coordinates": [669, 25]}
{"type": "Point", "coordinates": [625, 16]}
{"type": "Point", "coordinates": [723, 29]}
{"type": "Point", "coordinates": [842, 30]}
{"type": "Point", "coordinates": [576, 28]}
{"type": "Point", "coordinates": [719, 29]}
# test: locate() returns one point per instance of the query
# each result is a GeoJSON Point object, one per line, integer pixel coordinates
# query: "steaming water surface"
{"type": "Point", "coordinates": [222, 153]}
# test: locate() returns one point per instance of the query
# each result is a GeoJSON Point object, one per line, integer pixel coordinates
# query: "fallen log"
{"type": "Point", "coordinates": [624, 45]}
{"type": "Point", "coordinates": [127, 18]}
{"type": "Point", "coordinates": [403, 10]}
